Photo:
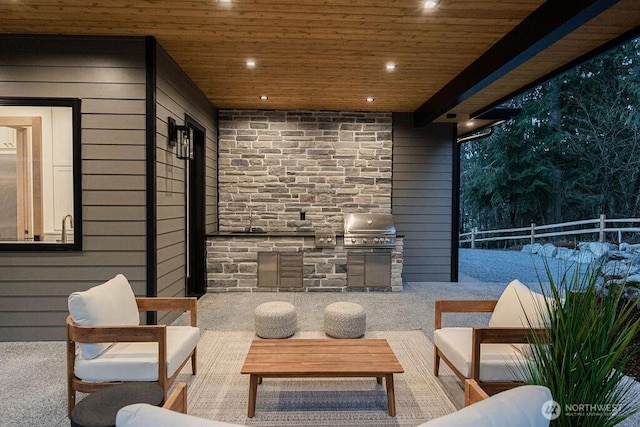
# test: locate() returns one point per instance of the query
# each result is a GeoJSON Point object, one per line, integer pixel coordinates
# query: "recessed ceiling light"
{"type": "Point", "coordinates": [264, 97]}
{"type": "Point", "coordinates": [225, 1]}
{"type": "Point", "coordinates": [470, 123]}
{"type": "Point", "coordinates": [430, 4]}
{"type": "Point", "coordinates": [251, 63]}
{"type": "Point", "coordinates": [370, 99]}
{"type": "Point", "coordinates": [391, 66]}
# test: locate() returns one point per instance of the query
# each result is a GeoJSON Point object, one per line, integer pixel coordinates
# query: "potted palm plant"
{"type": "Point", "coordinates": [583, 355]}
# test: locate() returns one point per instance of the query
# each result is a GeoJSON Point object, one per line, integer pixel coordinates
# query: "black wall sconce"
{"type": "Point", "coordinates": [180, 137]}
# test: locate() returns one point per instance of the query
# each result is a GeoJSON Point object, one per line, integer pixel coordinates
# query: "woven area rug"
{"type": "Point", "coordinates": [220, 392]}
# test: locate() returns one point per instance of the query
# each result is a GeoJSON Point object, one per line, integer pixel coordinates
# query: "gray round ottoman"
{"type": "Point", "coordinates": [276, 319]}
{"type": "Point", "coordinates": [345, 320]}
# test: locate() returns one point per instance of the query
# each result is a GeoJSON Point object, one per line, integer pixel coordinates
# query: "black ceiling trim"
{"type": "Point", "coordinates": [479, 130]}
{"type": "Point", "coordinates": [623, 38]}
{"type": "Point", "coordinates": [546, 25]}
{"type": "Point", "coordinates": [497, 114]}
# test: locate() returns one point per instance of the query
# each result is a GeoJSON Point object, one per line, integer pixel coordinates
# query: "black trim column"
{"type": "Point", "coordinates": [152, 239]}
{"type": "Point", "coordinates": [455, 204]}
{"type": "Point", "coordinates": [196, 282]}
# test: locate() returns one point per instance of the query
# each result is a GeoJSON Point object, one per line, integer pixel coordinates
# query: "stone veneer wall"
{"type": "Point", "coordinates": [273, 165]}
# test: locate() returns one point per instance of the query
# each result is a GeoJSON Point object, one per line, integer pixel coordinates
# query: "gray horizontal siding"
{"type": "Point", "coordinates": [111, 136]}
{"type": "Point", "coordinates": [108, 75]}
{"type": "Point", "coordinates": [112, 167]}
{"type": "Point", "coordinates": [422, 197]}
{"type": "Point", "coordinates": [79, 90]}
{"type": "Point", "coordinates": [177, 95]}
{"type": "Point", "coordinates": [111, 76]}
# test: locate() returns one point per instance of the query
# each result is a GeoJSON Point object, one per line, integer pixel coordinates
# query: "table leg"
{"type": "Point", "coordinates": [391, 395]}
{"type": "Point", "coordinates": [253, 391]}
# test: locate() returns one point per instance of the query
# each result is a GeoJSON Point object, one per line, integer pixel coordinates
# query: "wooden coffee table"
{"type": "Point", "coordinates": [304, 358]}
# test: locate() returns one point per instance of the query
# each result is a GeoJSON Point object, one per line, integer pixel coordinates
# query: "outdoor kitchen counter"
{"type": "Point", "coordinates": [235, 259]}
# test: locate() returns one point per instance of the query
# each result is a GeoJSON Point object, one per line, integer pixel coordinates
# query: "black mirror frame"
{"type": "Point", "coordinates": [75, 105]}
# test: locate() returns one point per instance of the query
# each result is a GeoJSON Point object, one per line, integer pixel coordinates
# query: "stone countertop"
{"type": "Point", "coordinates": [262, 234]}
{"type": "Point", "coordinates": [271, 234]}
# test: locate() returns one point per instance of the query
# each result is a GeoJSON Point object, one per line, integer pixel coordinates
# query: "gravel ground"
{"type": "Point", "coordinates": [502, 266]}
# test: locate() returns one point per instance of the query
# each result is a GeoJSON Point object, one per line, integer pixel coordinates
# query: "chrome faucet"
{"type": "Point", "coordinates": [63, 239]}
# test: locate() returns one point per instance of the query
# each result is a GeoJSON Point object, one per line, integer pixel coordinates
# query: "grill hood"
{"type": "Point", "coordinates": [369, 230]}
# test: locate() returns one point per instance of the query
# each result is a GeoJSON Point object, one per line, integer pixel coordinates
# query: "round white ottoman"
{"type": "Point", "coordinates": [276, 319]}
{"type": "Point", "coordinates": [344, 320]}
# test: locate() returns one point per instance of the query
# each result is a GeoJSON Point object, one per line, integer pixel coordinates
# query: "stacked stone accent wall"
{"type": "Point", "coordinates": [301, 170]}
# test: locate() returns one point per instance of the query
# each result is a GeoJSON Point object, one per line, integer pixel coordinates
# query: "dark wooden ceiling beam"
{"type": "Point", "coordinates": [623, 38]}
{"type": "Point", "coordinates": [546, 25]}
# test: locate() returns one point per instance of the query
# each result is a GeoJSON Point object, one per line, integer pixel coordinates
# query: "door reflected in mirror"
{"type": "Point", "coordinates": [37, 198]}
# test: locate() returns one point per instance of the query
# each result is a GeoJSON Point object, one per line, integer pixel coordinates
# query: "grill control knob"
{"type": "Point", "coordinates": [375, 240]}
{"type": "Point", "coordinates": [329, 239]}
{"type": "Point", "coordinates": [321, 240]}
{"type": "Point", "coordinates": [364, 240]}
{"type": "Point", "coordinates": [353, 240]}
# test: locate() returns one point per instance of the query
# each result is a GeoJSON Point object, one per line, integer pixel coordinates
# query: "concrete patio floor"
{"type": "Point", "coordinates": [32, 374]}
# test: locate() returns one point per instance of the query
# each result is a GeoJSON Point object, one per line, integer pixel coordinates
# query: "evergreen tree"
{"type": "Point", "coordinates": [602, 121]}
{"type": "Point", "coordinates": [572, 153]}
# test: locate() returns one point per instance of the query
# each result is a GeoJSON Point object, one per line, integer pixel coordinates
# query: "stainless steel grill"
{"type": "Point", "coordinates": [369, 230]}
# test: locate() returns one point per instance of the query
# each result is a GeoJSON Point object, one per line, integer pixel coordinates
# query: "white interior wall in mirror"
{"type": "Point", "coordinates": [52, 180]}
{"type": "Point", "coordinates": [61, 187]}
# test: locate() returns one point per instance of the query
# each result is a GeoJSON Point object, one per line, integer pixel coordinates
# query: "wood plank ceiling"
{"type": "Point", "coordinates": [330, 54]}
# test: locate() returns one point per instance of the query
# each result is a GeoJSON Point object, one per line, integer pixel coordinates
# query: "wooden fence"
{"type": "Point", "coordinates": [599, 226]}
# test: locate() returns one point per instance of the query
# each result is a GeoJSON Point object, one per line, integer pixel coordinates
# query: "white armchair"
{"type": "Point", "coordinates": [493, 356]}
{"type": "Point", "coordinates": [106, 344]}
{"type": "Point", "coordinates": [520, 407]}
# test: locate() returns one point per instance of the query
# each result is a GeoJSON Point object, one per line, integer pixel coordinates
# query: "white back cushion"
{"type": "Point", "coordinates": [519, 307]}
{"type": "Point", "coordinates": [111, 304]}
{"type": "Point", "coordinates": [145, 415]}
{"type": "Point", "coordinates": [519, 407]}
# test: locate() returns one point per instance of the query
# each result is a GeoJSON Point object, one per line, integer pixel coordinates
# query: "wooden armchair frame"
{"type": "Point", "coordinates": [481, 335]}
{"type": "Point", "coordinates": [473, 393]}
{"type": "Point", "coordinates": [177, 400]}
{"type": "Point", "coordinates": [141, 333]}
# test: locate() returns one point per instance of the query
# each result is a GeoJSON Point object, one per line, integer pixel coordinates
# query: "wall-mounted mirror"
{"type": "Point", "coordinates": [40, 176]}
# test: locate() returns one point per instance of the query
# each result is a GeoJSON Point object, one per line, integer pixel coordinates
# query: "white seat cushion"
{"type": "Point", "coordinates": [138, 361]}
{"type": "Point", "coordinates": [111, 304]}
{"type": "Point", "coordinates": [498, 362]}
